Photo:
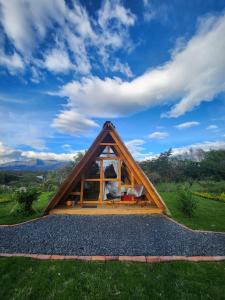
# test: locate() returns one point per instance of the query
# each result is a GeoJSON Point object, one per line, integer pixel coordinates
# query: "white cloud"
{"type": "Point", "coordinates": [149, 11]}
{"type": "Point", "coordinates": [155, 10]}
{"type": "Point", "coordinates": [77, 46]}
{"type": "Point", "coordinates": [190, 151]}
{"type": "Point", "coordinates": [122, 68]}
{"type": "Point", "coordinates": [193, 151]}
{"type": "Point", "coordinates": [113, 10]}
{"type": "Point", "coordinates": [58, 61]}
{"type": "Point", "coordinates": [113, 97]}
{"type": "Point", "coordinates": [34, 27]}
{"type": "Point", "coordinates": [211, 127]}
{"type": "Point", "coordinates": [205, 146]}
{"type": "Point", "coordinates": [73, 122]}
{"type": "Point", "coordinates": [48, 155]}
{"type": "Point", "coordinates": [8, 99]}
{"type": "Point", "coordinates": [27, 22]}
{"type": "Point", "coordinates": [10, 154]}
{"type": "Point", "coordinates": [137, 149]}
{"type": "Point", "coordinates": [135, 146]}
{"type": "Point", "coordinates": [15, 19]}
{"type": "Point", "coordinates": [187, 125]}
{"type": "Point", "coordinates": [158, 135]}
{"type": "Point", "coordinates": [12, 62]}
{"type": "Point", "coordinates": [66, 146]}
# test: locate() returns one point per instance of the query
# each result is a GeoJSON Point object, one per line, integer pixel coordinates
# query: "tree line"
{"type": "Point", "coordinates": [168, 168]}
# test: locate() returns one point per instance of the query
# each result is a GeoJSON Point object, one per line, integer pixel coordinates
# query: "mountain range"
{"type": "Point", "coordinates": [32, 165]}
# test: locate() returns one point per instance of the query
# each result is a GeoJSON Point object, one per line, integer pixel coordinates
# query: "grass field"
{"type": "Point", "coordinates": [8, 214]}
{"type": "Point", "coordinates": [209, 215]}
{"type": "Point", "coordinates": [30, 279]}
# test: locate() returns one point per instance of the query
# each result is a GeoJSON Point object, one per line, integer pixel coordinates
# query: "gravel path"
{"type": "Point", "coordinates": [109, 235]}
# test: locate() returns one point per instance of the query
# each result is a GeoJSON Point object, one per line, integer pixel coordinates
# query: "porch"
{"type": "Point", "coordinates": [113, 209]}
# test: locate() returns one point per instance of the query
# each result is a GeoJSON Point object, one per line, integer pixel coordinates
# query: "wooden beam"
{"type": "Point", "coordinates": [75, 193]}
{"type": "Point", "coordinates": [119, 175]}
{"type": "Point", "coordinates": [91, 179]}
{"type": "Point", "coordinates": [86, 201]}
{"type": "Point", "coordinates": [101, 183]}
{"type": "Point", "coordinates": [106, 211]}
{"type": "Point", "coordinates": [107, 144]}
{"type": "Point", "coordinates": [108, 158]}
{"type": "Point", "coordinates": [81, 191]}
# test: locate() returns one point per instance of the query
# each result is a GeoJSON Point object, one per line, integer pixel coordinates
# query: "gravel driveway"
{"type": "Point", "coordinates": [109, 235]}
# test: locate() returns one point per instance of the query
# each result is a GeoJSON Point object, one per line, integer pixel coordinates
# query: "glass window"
{"type": "Point", "coordinates": [110, 168]}
{"type": "Point", "coordinates": [108, 152]}
{"type": "Point", "coordinates": [125, 174]}
{"type": "Point", "coordinates": [77, 187]}
{"type": "Point", "coordinates": [91, 190]}
{"type": "Point", "coordinates": [93, 171]}
{"type": "Point", "coordinates": [111, 190]}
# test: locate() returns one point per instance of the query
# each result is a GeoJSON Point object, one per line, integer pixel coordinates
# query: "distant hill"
{"type": "Point", "coordinates": [32, 165]}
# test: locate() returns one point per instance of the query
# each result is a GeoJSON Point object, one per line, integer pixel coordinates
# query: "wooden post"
{"type": "Point", "coordinates": [101, 182]}
{"type": "Point", "coordinates": [119, 176]}
{"type": "Point", "coordinates": [81, 190]}
{"type": "Point", "coordinates": [132, 184]}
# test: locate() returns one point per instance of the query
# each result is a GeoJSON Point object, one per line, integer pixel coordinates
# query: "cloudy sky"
{"type": "Point", "coordinates": [155, 68]}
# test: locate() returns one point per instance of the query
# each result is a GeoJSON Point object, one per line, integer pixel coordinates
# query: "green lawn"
{"type": "Point", "coordinates": [5, 197]}
{"type": "Point", "coordinates": [8, 214]}
{"type": "Point", "coordinates": [24, 278]}
{"type": "Point", "coordinates": [210, 215]}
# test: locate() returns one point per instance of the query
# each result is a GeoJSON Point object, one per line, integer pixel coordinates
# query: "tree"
{"type": "Point", "coordinates": [187, 201]}
{"type": "Point", "coordinates": [213, 165]}
{"type": "Point", "coordinates": [161, 166]}
{"type": "Point", "coordinates": [26, 198]}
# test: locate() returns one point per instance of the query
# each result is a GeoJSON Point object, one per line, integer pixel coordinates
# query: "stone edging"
{"type": "Point", "coordinates": [190, 229]}
{"type": "Point", "coordinates": [144, 259]}
{"type": "Point", "coordinates": [25, 222]}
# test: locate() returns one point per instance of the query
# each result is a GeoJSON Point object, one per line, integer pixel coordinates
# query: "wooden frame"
{"type": "Point", "coordinates": [122, 154]}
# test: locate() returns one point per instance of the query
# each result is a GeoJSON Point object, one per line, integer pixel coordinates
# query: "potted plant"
{"type": "Point", "coordinates": [69, 202]}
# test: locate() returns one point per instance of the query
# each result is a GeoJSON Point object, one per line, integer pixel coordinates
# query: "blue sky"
{"type": "Point", "coordinates": [156, 69]}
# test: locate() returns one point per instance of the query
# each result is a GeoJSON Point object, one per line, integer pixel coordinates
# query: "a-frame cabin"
{"type": "Point", "coordinates": [107, 180]}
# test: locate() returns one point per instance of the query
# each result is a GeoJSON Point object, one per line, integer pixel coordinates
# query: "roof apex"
{"type": "Point", "coordinates": [108, 124]}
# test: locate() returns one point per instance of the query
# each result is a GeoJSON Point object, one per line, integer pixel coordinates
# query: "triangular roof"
{"type": "Point", "coordinates": [108, 131]}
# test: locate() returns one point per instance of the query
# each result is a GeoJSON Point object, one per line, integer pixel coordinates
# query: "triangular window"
{"type": "Point", "coordinates": [108, 151]}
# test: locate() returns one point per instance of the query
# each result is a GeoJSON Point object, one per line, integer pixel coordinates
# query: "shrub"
{"type": "Point", "coordinates": [187, 201]}
{"type": "Point", "coordinates": [26, 198]}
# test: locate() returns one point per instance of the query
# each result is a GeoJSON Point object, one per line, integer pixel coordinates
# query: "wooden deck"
{"type": "Point", "coordinates": [106, 210]}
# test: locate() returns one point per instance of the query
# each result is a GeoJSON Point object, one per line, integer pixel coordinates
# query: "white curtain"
{"type": "Point", "coordinates": [105, 188]}
{"type": "Point", "coordinates": [115, 166]}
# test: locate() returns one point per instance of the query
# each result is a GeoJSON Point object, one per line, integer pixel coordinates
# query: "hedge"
{"type": "Point", "coordinates": [219, 197]}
